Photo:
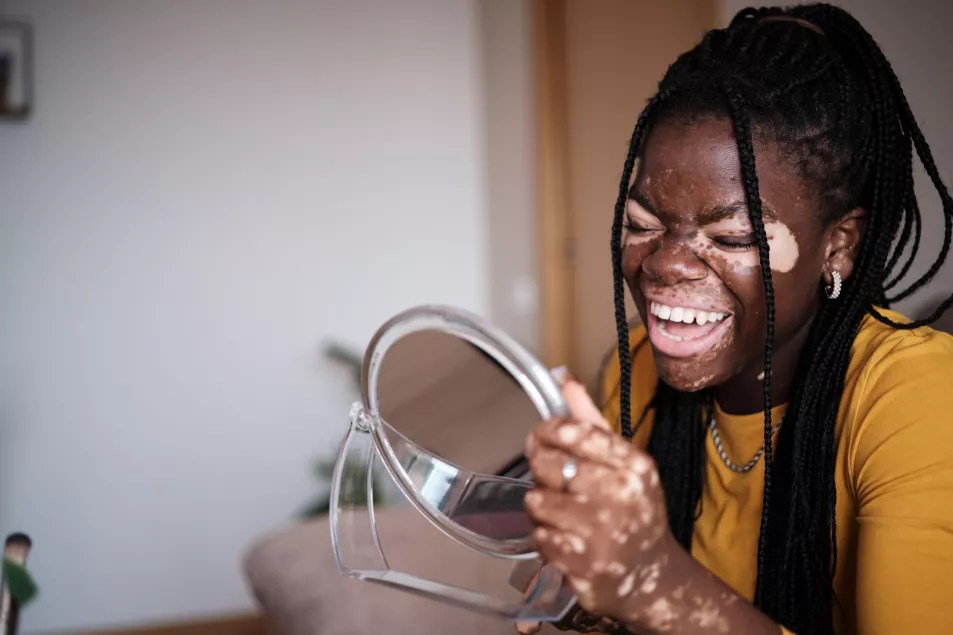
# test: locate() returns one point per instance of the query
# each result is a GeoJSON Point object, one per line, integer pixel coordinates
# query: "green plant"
{"type": "Point", "coordinates": [19, 582]}
{"type": "Point", "coordinates": [324, 468]}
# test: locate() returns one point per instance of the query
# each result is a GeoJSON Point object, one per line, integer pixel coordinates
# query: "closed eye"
{"type": "Point", "coordinates": [735, 243]}
{"type": "Point", "coordinates": [632, 228]}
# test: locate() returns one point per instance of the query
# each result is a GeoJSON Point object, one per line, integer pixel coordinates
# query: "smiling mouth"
{"type": "Point", "coordinates": [677, 331]}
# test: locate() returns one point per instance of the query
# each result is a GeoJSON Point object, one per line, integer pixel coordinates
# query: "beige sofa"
{"type": "Point", "coordinates": [295, 579]}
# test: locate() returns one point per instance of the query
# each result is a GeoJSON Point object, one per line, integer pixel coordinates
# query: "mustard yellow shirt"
{"type": "Point", "coordinates": [894, 479]}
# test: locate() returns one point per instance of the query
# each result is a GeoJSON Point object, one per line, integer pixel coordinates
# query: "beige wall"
{"type": "Point", "coordinates": [510, 184]}
{"type": "Point", "coordinates": [208, 191]}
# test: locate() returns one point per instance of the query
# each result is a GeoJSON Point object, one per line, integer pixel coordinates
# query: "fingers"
{"type": "Point", "coordinates": [563, 549]}
{"type": "Point", "coordinates": [581, 406]}
{"type": "Point", "coordinates": [577, 398]}
{"type": "Point", "coordinates": [550, 428]}
{"type": "Point", "coordinates": [559, 510]}
{"type": "Point", "coordinates": [547, 465]}
{"type": "Point", "coordinates": [596, 482]}
{"type": "Point", "coordinates": [528, 628]}
{"type": "Point", "coordinates": [586, 441]}
{"type": "Point", "coordinates": [524, 573]}
{"type": "Point", "coordinates": [583, 440]}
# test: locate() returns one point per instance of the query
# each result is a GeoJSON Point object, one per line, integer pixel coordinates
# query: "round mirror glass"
{"type": "Point", "coordinates": [458, 420]}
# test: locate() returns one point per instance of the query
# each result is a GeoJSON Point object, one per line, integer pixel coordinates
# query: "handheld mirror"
{"type": "Point", "coordinates": [428, 487]}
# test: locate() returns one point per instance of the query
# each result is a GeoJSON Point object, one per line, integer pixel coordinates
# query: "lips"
{"type": "Point", "coordinates": [685, 331]}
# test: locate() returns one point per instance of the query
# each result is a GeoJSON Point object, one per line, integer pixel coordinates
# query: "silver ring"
{"type": "Point", "coordinates": [570, 469]}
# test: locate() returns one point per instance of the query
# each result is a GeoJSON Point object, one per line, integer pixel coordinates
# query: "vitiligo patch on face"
{"type": "Point", "coordinates": [643, 219]}
{"type": "Point", "coordinates": [782, 244]}
{"type": "Point", "coordinates": [781, 241]}
{"type": "Point", "coordinates": [783, 247]}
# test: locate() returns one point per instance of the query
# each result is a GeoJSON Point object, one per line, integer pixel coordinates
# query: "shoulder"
{"type": "Point", "coordinates": [644, 377]}
{"type": "Point", "coordinates": [898, 410]}
{"type": "Point", "coordinates": [878, 342]}
{"type": "Point", "coordinates": [885, 359]}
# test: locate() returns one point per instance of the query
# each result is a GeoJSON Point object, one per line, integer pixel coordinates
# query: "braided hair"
{"type": "Point", "coordinates": [815, 80]}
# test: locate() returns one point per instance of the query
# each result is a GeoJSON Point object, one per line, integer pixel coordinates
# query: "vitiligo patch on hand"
{"type": "Point", "coordinates": [628, 583]}
{"type": "Point", "coordinates": [661, 614]}
{"type": "Point", "coordinates": [569, 433]}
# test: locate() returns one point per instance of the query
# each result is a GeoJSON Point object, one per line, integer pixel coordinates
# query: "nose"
{"type": "Point", "coordinates": [673, 262]}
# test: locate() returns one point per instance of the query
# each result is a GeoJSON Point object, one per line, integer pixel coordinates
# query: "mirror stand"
{"type": "Point", "coordinates": [482, 512]}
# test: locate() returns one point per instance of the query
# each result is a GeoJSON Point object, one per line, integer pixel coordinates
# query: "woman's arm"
{"type": "Point", "coordinates": [900, 460]}
{"type": "Point", "coordinates": [690, 599]}
{"type": "Point", "coordinates": [606, 528]}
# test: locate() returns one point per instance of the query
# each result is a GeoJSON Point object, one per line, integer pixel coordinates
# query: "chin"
{"type": "Point", "coordinates": [685, 375]}
{"type": "Point", "coordinates": [696, 364]}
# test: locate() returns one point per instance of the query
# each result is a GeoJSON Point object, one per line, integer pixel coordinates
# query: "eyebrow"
{"type": "Point", "coordinates": [721, 212]}
{"type": "Point", "coordinates": [638, 197]}
{"type": "Point", "coordinates": [713, 214]}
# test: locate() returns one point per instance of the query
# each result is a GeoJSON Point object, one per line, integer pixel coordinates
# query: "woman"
{"type": "Point", "coordinates": [781, 451]}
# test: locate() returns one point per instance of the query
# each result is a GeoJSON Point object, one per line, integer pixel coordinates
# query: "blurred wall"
{"type": "Point", "coordinates": [914, 35]}
{"type": "Point", "coordinates": [206, 192]}
{"type": "Point", "coordinates": [511, 158]}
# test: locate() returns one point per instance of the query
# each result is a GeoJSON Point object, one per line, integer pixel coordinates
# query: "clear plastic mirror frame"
{"type": "Point", "coordinates": [447, 495]}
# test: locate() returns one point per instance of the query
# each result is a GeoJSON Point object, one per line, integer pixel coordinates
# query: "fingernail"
{"type": "Point", "coordinates": [561, 374]}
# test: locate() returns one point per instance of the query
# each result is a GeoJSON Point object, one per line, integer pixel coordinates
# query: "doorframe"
{"type": "Point", "coordinates": [558, 292]}
{"type": "Point", "coordinates": [553, 211]}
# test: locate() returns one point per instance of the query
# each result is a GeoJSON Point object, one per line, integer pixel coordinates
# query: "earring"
{"type": "Point", "coordinates": [833, 292]}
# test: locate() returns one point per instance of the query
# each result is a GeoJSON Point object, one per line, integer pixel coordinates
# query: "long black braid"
{"type": "Point", "coordinates": [812, 79]}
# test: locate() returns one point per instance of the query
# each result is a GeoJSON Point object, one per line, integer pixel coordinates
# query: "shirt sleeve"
{"type": "Point", "coordinates": [901, 459]}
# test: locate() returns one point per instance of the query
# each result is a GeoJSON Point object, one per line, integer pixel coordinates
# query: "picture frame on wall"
{"type": "Point", "coordinates": [16, 68]}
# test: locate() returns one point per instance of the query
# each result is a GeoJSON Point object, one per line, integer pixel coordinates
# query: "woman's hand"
{"type": "Point", "coordinates": [578, 620]}
{"type": "Point", "coordinates": [605, 526]}
{"type": "Point", "coordinates": [603, 522]}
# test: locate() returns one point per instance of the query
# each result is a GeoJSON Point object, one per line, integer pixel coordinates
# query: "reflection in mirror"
{"type": "Point", "coordinates": [444, 396]}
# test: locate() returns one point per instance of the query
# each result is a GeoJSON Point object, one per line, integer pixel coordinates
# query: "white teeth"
{"type": "Point", "coordinates": [686, 315]}
{"type": "Point", "coordinates": [661, 329]}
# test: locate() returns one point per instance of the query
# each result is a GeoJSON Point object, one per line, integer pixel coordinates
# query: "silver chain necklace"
{"type": "Point", "coordinates": [741, 469]}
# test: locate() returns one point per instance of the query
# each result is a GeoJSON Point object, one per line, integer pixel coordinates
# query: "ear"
{"type": "Point", "coordinates": [843, 243]}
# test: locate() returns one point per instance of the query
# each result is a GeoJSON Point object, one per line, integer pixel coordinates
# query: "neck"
{"type": "Point", "coordinates": [744, 393]}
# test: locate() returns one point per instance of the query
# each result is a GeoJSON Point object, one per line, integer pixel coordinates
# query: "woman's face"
{"type": "Point", "coordinates": [691, 262]}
